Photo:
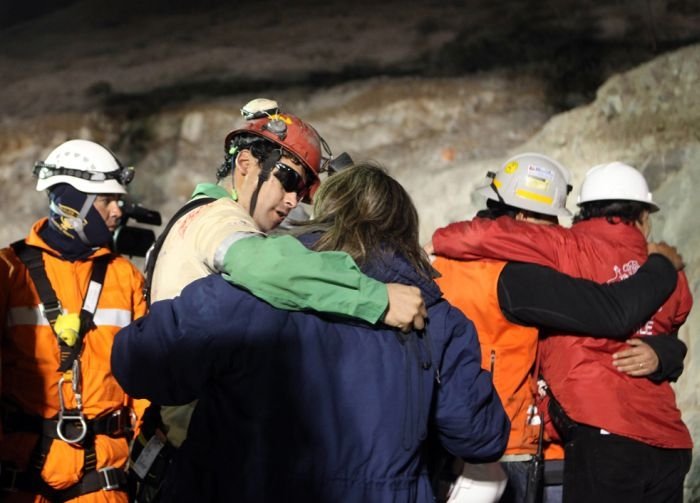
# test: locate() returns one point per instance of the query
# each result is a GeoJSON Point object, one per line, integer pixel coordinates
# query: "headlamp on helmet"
{"type": "Point", "coordinates": [287, 132]}
{"type": "Point", "coordinates": [259, 108]}
{"type": "Point", "coordinates": [85, 165]}
{"type": "Point", "coordinates": [123, 175]}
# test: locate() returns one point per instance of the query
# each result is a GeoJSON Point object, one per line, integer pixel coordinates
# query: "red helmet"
{"type": "Point", "coordinates": [290, 133]}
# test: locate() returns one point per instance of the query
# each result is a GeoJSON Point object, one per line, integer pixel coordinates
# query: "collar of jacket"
{"type": "Point", "coordinates": [613, 232]}
{"type": "Point", "coordinates": [33, 239]}
{"type": "Point", "coordinates": [210, 190]}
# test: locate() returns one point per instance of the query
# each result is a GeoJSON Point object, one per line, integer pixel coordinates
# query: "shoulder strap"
{"type": "Point", "coordinates": [97, 278]}
{"type": "Point", "coordinates": [152, 255]}
{"type": "Point", "coordinates": [34, 261]}
{"type": "Point", "coordinates": [50, 306]}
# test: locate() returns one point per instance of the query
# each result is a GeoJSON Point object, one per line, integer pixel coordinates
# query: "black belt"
{"type": "Point", "coordinates": [114, 424]}
{"type": "Point", "coordinates": [105, 479]}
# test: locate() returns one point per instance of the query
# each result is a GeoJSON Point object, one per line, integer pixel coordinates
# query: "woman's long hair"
{"type": "Point", "coordinates": [366, 213]}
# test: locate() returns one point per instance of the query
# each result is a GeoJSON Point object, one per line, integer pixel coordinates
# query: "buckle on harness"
{"type": "Point", "coordinates": [51, 310]}
{"type": "Point", "coordinates": [108, 478]}
{"type": "Point", "coordinates": [118, 423]}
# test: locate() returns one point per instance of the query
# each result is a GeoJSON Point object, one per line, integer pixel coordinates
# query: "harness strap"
{"type": "Point", "coordinates": [89, 455]}
{"type": "Point", "coordinates": [114, 424]}
{"type": "Point", "coordinates": [38, 456]}
{"type": "Point", "coordinates": [152, 255]}
{"type": "Point", "coordinates": [32, 258]}
{"type": "Point", "coordinates": [104, 479]}
{"type": "Point", "coordinates": [50, 306]}
{"type": "Point", "coordinates": [97, 277]}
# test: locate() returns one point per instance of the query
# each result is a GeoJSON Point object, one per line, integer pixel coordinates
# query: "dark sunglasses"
{"type": "Point", "coordinates": [291, 180]}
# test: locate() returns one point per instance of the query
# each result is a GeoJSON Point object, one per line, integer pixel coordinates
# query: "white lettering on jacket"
{"type": "Point", "coordinates": [623, 272]}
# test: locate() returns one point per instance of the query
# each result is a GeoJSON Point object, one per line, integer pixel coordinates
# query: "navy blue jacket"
{"type": "Point", "coordinates": [294, 406]}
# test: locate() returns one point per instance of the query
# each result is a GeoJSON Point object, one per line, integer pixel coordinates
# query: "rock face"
{"type": "Point", "coordinates": [438, 100]}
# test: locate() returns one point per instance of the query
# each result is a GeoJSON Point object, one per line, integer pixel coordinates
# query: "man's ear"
{"type": "Point", "coordinates": [243, 162]}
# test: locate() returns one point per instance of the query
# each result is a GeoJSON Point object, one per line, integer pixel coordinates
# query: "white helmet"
{"type": "Point", "coordinates": [477, 483]}
{"type": "Point", "coordinates": [615, 181]}
{"type": "Point", "coordinates": [532, 182]}
{"type": "Point", "coordinates": [87, 166]}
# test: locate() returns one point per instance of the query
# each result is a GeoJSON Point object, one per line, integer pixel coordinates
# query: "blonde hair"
{"type": "Point", "coordinates": [367, 214]}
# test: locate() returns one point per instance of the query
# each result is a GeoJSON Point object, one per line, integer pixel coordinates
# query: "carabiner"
{"type": "Point", "coordinates": [71, 415]}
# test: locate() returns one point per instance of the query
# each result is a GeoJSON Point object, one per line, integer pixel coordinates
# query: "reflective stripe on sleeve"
{"type": "Point", "coordinates": [32, 316]}
{"type": "Point", "coordinates": [226, 244]}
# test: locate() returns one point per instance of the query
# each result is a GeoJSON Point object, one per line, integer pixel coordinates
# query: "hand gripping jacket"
{"type": "Point", "coordinates": [65, 430]}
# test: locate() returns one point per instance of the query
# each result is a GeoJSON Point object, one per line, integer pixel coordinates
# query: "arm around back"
{"type": "Point", "coordinates": [283, 272]}
{"type": "Point", "coordinates": [533, 295]}
{"type": "Point", "coordinates": [503, 238]}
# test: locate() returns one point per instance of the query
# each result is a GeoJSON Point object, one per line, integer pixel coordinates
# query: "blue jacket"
{"type": "Point", "coordinates": [294, 406]}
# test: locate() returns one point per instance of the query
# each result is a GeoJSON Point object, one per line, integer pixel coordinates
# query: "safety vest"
{"type": "Point", "coordinates": [508, 351]}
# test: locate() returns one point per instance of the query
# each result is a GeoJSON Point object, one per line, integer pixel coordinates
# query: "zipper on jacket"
{"type": "Point", "coordinates": [493, 363]}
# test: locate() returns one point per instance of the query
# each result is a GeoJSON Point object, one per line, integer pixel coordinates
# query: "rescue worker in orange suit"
{"type": "Point", "coordinates": [518, 298]}
{"type": "Point", "coordinates": [66, 421]}
{"type": "Point", "coordinates": [631, 449]}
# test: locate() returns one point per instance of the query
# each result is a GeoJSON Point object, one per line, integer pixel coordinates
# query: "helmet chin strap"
{"type": "Point", "coordinates": [492, 176]}
{"type": "Point", "coordinates": [76, 222]}
{"type": "Point", "coordinates": [267, 165]}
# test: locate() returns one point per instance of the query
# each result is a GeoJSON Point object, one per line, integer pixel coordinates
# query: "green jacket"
{"type": "Point", "coordinates": [284, 273]}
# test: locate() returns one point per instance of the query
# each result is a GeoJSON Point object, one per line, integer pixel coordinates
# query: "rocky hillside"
{"type": "Point", "coordinates": [439, 93]}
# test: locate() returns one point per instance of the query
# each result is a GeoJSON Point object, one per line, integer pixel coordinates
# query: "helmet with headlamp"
{"type": "Point", "coordinates": [87, 166]}
{"type": "Point", "coordinates": [291, 135]}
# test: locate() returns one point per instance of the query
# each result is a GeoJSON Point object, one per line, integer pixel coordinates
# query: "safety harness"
{"type": "Point", "coordinates": [69, 425]}
{"type": "Point", "coordinates": [152, 255]}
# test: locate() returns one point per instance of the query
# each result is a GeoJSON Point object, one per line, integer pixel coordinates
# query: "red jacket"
{"type": "Point", "coordinates": [579, 370]}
